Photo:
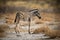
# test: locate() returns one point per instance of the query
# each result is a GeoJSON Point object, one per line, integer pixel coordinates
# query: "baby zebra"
{"type": "Point", "coordinates": [30, 14]}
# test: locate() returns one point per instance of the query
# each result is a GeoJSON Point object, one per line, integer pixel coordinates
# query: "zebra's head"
{"type": "Point", "coordinates": [36, 13]}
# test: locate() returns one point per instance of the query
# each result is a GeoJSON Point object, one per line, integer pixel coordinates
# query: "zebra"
{"type": "Point", "coordinates": [30, 13]}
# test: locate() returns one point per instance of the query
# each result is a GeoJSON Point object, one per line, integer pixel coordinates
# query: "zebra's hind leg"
{"type": "Point", "coordinates": [17, 31]}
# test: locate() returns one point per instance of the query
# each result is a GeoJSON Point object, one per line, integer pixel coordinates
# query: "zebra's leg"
{"type": "Point", "coordinates": [16, 29]}
{"type": "Point", "coordinates": [29, 25]}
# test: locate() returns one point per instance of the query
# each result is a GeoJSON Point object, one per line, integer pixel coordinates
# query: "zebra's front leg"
{"type": "Point", "coordinates": [29, 25]}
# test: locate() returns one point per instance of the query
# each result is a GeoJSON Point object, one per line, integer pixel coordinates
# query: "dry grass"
{"type": "Point", "coordinates": [41, 30]}
{"type": "Point", "coordinates": [47, 31]}
{"type": "Point", "coordinates": [3, 29]}
{"type": "Point", "coordinates": [17, 29]}
{"type": "Point", "coordinates": [25, 4]}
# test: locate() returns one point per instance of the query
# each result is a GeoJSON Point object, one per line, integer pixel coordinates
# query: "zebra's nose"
{"type": "Point", "coordinates": [39, 17]}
